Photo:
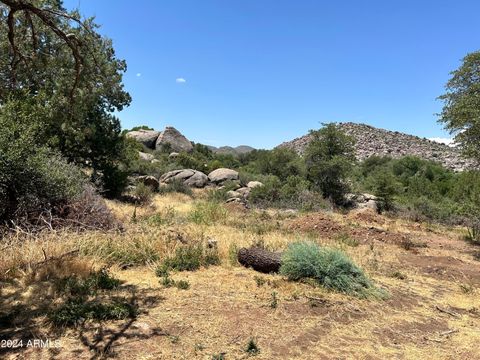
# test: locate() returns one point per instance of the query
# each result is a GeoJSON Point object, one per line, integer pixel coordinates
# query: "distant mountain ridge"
{"type": "Point", "coordinates": [375, 141]}
{"type": "Point", "coordinates": [242, 149]}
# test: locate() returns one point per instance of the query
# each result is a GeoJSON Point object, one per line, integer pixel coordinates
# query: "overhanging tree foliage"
{"type": "Point", "coordinates": [461, 110]}
{"type": "Point", "coordinates": [58, 59]}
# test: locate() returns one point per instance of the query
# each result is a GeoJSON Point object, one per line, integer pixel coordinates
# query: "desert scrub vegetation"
{"type": "Point", "coordinates": [208, 213]}
{"type": "Point", "coordinates": [77, 310]}
{"type": "Point", "coordinates": [176, 186]}
{"type": "Point", "coordinates": [330, 268]}
{"type": "Point", "coordinates": [189, 258]}
{"type": "Point", "coordinates": [81, 300]}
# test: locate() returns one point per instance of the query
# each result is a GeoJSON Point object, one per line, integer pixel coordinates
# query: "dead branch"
{"type": "Point", "coordinates": [55, 258]}
{"type": "Point", "coordinates": [448, 332]}
{"type": "Point", "coordinates": [451, 313]}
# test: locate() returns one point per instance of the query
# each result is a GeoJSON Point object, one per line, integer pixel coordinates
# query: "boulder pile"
{"type": "Point", "coordinates": [169, 138]}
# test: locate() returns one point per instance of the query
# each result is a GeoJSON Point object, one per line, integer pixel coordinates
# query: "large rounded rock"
{"type": "Point", "coordinates": [181, 174]}
{"type": "Point", "coordinates": [254, 184]}
{"type": "Point", "coordinates": [198, 180]}
{"type": "Point", "coordinates": [145, 137]}
{"type": "Point", "coordinates": [189, 177]}
{"type": "Point", "coordinates": [174, 139]}
{"type": "Point", "coordinates": [146, 156]}
{"type": "Point", "coordinates": [149, 181]}
{"type": "Point", "coordinates": [221, 175]}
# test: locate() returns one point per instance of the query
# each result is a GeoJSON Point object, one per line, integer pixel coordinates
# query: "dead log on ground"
{"type": "Point", "coordinates": [260, 259]}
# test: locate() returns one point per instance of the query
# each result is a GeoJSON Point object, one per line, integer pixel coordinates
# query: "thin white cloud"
{"type": "Point", "coordinates": [446, 141]}
{"type": "Point", "coordinates": [139, 74]}
{"type": "Point", "coordinates": [180, 80]}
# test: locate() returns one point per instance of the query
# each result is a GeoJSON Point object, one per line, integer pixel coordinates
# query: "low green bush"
{"type": "Point", "coordinates": [75, 311]}
{"type": "Point", "coordinates": [331, 268]}
{"type": "Point", "coordinates": [81, 302]}
{"type": "Point", "coordinates": [96, 281]}
{"type": "Point", "coordinates": [143, 193]}
{"type": "Point", "coordinates": [252, 347]}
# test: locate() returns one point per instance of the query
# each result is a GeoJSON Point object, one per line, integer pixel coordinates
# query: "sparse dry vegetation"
{"type": "Point", "coordinates": [116, 244]}
{"type": "Point", "coordinates": [156, 295]}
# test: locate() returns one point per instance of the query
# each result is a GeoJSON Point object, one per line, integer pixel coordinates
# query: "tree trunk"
{"type": "Point", "coordinates": [260, 259]}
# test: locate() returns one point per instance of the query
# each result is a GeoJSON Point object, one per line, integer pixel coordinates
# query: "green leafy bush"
{"type": "Point", "coordinates": [331, 268]}
{"type": "Point", "coordinates": [33, 179]}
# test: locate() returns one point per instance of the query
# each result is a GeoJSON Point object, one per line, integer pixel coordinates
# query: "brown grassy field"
{"type": "Point", "coordinates": [431, 273]}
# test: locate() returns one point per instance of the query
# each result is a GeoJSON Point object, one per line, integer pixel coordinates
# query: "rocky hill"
{"type": "Point", "coordinates": [374, 141]}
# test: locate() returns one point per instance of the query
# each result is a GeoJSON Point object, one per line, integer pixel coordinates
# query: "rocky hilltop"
{"type": "Point", "coordinates": [177, 142]}
{"type": "Point", "coordinates": [374, 141]}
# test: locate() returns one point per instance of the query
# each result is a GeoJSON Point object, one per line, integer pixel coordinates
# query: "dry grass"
{"type": "Point", "coordinates": [226, 306]}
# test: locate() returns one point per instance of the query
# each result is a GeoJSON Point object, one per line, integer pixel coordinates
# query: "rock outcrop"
{"type": "Point", "coordinates": [146, 156]}
{"type": "Point", "coordinates": [149, 180]}
{"type": "Point", "coordinates": [146, 137]}
{"type": "Point", "coordinates": [174, 139]}
{"type": "Point", "coordinates": [374, 141]}
{"type": "Point", "coordinates": [193, 178]}
{"type": "Point", "coordinates": [221, 175]}
{"type": "Point", "coordinates": [170, 137]}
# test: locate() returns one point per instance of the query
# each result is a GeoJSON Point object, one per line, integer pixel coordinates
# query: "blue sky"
{"type": "Point", "coordinates": [260, 72]}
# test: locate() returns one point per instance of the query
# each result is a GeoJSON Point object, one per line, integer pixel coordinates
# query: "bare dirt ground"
{"type": "Point", "coordinates": [431, 273]}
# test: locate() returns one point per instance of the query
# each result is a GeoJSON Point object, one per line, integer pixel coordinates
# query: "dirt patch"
{"type": "Point", "coordinates": [327, 227]}
{"type": "Point", "coordinates": [367, 216]}
{"type": "Point", "coordinates": [317, 222]}
{"type": "Point", "coordinates": [444, 267]}
{"type": "Point", "coordinates": [417, 332]}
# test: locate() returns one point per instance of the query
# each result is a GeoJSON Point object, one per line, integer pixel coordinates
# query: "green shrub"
{"type": "Point", "coordinates": [143, 193]}
{"type": "Point", "coordinates": [98, 280]}
{"type": "Point", "coordinates": [74, 311]}
{"type": "Point", "coordinates": [220, 194]}
{"type": "Point", "coordinates": [167, 281]}
{"type": "Point", "coordinates": [331, 268]}
{"type": "Point", "coordinates": [274, 300]}
{"type": "Point", "coordinates": [268, 193]}
{"type": "Point", "coordinates": [34, 179]}
{"type": "Point", "coordinates": [252, 347]}
{"type": "Point", "coordinates": [182, 284]}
